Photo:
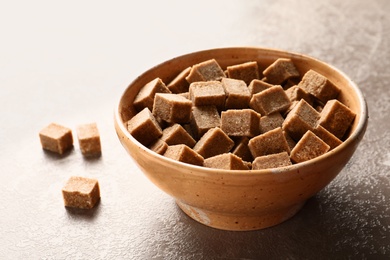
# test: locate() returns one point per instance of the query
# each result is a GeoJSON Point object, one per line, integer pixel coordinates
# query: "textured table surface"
{"type": "Point", "coordinates": [69, 62]}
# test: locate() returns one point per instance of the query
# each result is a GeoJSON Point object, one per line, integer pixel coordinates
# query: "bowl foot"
{"type": "Point", "coordinates": [237, 222]}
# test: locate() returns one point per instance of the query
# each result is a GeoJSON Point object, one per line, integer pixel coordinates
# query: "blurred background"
{"type": "Point", "coordinates": [69, 62]}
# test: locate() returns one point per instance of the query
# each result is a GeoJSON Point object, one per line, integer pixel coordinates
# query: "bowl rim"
{"type": "Point", "coordinates": [197, 170]}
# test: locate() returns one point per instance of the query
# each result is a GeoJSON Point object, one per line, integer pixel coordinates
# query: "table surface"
{"type": "Point", "coordinates": [69, 62]}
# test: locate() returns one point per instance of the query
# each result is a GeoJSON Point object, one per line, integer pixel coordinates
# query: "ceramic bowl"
{"type": "Point", "coordinates": [242, 199]}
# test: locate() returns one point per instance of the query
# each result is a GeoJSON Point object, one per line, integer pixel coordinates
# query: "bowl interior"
{"type": "Point", "coordinates": [350, 94]}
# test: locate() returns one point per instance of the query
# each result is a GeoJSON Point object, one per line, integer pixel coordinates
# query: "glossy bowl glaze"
{"type": "Point", "coordinates": [242, 199]}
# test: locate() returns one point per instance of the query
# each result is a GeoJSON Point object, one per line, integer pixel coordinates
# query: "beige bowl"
{"type": "Point", "coordinates": [251, 199]}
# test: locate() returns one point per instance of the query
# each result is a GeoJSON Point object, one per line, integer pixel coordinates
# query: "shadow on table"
{"type": "Point", "coordinates": [84, 214]}
{"type": "Point", "coordinates": [321, 230]}
{"type": "Point", "coordinates": [88, 159]}
{"type": "Point", "coordinates": [55, 156]}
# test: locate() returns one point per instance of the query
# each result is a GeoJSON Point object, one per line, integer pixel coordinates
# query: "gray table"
{"type": "Point", "coordinates": [69, 62]}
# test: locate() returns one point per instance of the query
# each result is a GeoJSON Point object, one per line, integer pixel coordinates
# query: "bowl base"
{"type": "Point", "coordinates": [239, 223]}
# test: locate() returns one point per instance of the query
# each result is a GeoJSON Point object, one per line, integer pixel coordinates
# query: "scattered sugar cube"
{"type": "Point", "coordinates": [81, 192]}
{"type": "Point", "coordinates": [89, 139]}
{"type": "Point", "coordinates": [56, 138]}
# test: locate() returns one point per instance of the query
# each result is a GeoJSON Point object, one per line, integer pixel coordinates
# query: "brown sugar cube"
{"type": "Point", "coordinates": [183, 153]}
{"type": "Point", "coordinates": [270, 142]}
{"type": "Point", "coordinates": [319, 108]}
{"type": "Point", "coordinates": [336, 118]}
{"type": "Point", "coordinates": [306, 111]}
{"type": "Point", "coordinates": [176, 134]}
{"type": "Point", "coordinates": [213, 142]}
{"type": "Point", "coordinates": [301, 118]}
{"type": "Point", "coordinates": [56, 138]}
{"type": "Point", "coordinates": [280, 71]}
{"type": "Point", "coordinates": [81, 192]}
{"type": "Point", "coordinates": [327, 137]}
{"type": "Point", "coordinates": [248, 164]}
{"type": "Point", "coordinates": [89, 139]}
{"type": "Point", "coordinates": [257, 86]}
{"type": "Point", "coordinates": [291, 143]}
{"type": "Point", "coordinates": [204, 118]}
{"type": "Point", "coordinates": [291, 82]}
{"type": "Point", "coordinates": [310, 146]}
{"type": "Point", "coordinates": [296, 93]}
{"type": "Point", "coordinates": [226, 161]}
{"type": "Point", "coordinates": [292, 105]}
{"type": "Point", "coordinates": [295, 126]}
{"type": "Point", "coordinates": [247, 71]}
{"type": "Point", "coordinates": [237, 93]}
{"type": "Point", "coordinates": [163, 124]}
{"type": "Point", "coordinates": [179, 84]}
{"type": "Point", "coordinates": [319, 86]}
{"type": "Point", "coordinates": [240, 122]}
{"type": "Point", "coordinates": [207, 93]}
{"type": "Point", "coordinates": [159, 146]}
{"type": "Point", "coordinates": [144, 127]}
{"type": "Point", "coordinates": [270, 122]}
{"type": "Point", "coordinates": [189, 129]}
{"type": "Point", "coordinates": [318, 105]}
{"type": "Point", "coordinates": [185, 94]}
{"type": "Point", "coordinates": [241, 149]}
{"type": "Point", "coordinates": [145, 96]}
{"type": "Point", "coordinates": [271, 100]}
{"type": "Point", "coordinates": [271, 161]}
{"type": "Point", "coordinates": [206, 71]}
{"type": "Point", "coordinates": [172, 108]}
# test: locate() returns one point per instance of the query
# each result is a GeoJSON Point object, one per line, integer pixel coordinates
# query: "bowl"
{"type": "Point", "coordinates": [242, 199]}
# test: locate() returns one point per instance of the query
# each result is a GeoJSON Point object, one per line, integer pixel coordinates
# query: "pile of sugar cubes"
{"type": "Point", "coordinates": [231, 119]}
